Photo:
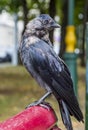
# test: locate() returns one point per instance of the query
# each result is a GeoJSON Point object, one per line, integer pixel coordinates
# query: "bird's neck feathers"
{"type": "Point", "coordinates": [46, 39]}
{"type": "Point", "coordinates": [39, 34]}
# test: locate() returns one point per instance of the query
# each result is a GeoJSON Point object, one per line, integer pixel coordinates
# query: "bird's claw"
{"type": "Point", "coordinates": [32, 104]}
{"type": "Point", "coordinates": [45, 105]}
{"type": "Point", "coordinates": [42, 104]}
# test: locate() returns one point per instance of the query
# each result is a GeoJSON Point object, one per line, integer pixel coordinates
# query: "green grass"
{"type": "Point", "coordinates": [18, 89]}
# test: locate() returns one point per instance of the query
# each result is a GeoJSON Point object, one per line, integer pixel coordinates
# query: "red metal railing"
{"type": "Point", "coordinates": [32, 118]}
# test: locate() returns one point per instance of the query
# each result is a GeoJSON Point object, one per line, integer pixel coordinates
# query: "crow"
{"type": "Point", "coordinates": [47, 68]}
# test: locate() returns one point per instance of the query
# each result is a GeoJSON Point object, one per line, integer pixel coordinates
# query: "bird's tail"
{"type": "Point", "coordinates": [65, 115]}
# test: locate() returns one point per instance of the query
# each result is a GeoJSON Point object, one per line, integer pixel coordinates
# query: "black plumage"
{"type": "Point", "coordinates": [47, 68]}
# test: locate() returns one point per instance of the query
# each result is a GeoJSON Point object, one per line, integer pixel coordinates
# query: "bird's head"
{"type": "Point", "coordinates": [42, 23]}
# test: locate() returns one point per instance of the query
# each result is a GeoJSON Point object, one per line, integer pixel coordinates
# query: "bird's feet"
{"type": "Point", "coordinates": [42, 104]}
{"type": "Point", "coordinates": [33, 104]}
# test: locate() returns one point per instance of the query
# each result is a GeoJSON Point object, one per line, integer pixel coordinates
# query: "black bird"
{"type": "Point", "coordinates": [47, 68]}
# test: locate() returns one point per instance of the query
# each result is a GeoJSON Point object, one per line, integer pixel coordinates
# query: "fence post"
{"type": "Point", "coordinates": [70, 39]}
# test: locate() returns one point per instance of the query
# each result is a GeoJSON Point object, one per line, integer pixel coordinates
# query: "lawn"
{"type": "Point", "coordinates": [18, 89]}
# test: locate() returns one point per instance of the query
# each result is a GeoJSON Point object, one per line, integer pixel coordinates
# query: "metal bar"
{"type": "Point", "coordinates": [70, 39]}
{"type": "Point", "coordinates": [70, 11]}
{"type": "Point", "coordinates": [15, 47]}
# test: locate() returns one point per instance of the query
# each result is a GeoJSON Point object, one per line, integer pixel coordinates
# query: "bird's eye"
{"type": "Point", "coordinates": [46, 22]}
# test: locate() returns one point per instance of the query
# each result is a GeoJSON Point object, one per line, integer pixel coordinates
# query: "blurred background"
{"type": "Point", "coordinates": [70, 42]}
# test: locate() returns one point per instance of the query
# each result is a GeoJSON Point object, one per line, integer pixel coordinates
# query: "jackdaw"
{"type": "Point", "coordinates": [48, 69]}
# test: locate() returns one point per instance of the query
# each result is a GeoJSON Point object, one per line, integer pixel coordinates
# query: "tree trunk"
{"type": "Point", "coordinates": [25, 19]}
{"type": "Point", "coordinates": [63, 28]}
{"type": "Point", "coordinates": [52, 13]}
{"type": "Point", "coordinates": [84, 29]}
{"type": "Point", "coordinates": [25, 13]}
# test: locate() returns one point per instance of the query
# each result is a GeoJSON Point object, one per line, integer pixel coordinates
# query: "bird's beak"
{"type": "Point", "coordinates": [55, 25]}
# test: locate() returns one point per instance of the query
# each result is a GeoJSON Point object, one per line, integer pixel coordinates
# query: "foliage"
{"type": "Point", "coordinates": [79, 11]}
{"type": "Point", "coordinates": [30, 8]}
{"type": "Point", "coordinates": [10, 5]}
{"type": "Point", "coordinates": [33, 6]}
{"type": "Point", "coordinates": [41, 6]}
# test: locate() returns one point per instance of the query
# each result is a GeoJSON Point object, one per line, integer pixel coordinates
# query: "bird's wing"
{"type": "Point", "coordinates": [55, 73]}
{"type": "Point", "coordinates": [50, 67]}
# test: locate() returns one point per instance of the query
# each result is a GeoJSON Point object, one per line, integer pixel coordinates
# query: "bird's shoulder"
{"type": "Point", "coordinates": [44, 58]}
{"type": "Point", "coordinates": [31, 40]}
{"type": "Point", "coordinates": [43, 55]}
